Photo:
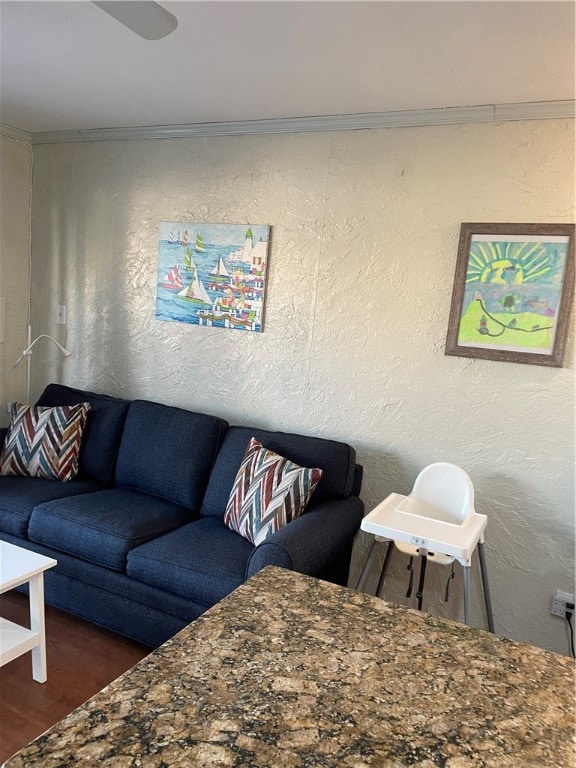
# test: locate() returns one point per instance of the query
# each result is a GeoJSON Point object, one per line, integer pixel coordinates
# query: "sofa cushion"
{"type": "Point", "coordinates": [44, 442]}
{"type": "Point", "coordinates": [168, 452]}
{"type": "Point", "coordinates": [203, 561]}
{"type": "Point", "coordinates": [101, 527]}
{"type": "Point", "coordinates": [19, 496]}
{"type": "Point", "coordinates": [112, 600]}
{"type": "Point", "coordinates": [269, 492]}
{"type": "Point", "coordinates": [336, 460]}
{"type": "Point", "coordinates": [102, 432]}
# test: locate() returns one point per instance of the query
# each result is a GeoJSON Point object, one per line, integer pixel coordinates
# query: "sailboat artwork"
{"type": "Point", "coordinates": [173, 279]}
{"type": "Point", "coordinates": [195, 291]}
{"type": "Point", "coordinates": [216, 279]}
{"type": "Point", "coordinates": [187, 261]}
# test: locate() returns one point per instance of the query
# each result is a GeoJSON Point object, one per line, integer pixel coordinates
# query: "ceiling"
{"type": "Point", "coordinates": [69, 66]}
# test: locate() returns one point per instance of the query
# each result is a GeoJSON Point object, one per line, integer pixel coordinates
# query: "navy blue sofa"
{"type": "Point", "coordinates": [139, 536]}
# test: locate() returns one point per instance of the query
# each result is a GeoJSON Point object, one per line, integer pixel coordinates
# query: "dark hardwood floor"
{"type": "Point", "coordinates": [82, 659]}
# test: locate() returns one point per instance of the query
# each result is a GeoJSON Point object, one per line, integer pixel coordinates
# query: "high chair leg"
{"type": "Point", "coordinates": [466, 575]}
{"type": "Point", "coordinates": [380, 587]}
{"type": "Point", "coordinates": [364, 574]}
{"type": "Point", "coordinates": [486, 586]}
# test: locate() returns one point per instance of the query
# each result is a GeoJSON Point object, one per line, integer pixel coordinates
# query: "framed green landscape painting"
{"type": "Point", "coordinates": [512, 293]}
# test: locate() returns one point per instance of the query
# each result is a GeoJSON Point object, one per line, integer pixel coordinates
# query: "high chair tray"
{"type": "Point", "coordinates": [396, 518]}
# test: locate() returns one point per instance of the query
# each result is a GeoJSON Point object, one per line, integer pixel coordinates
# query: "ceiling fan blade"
{"type": "Point", "coordinates": [144, 17]}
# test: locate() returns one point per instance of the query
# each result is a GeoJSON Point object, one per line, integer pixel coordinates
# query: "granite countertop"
{"type": "Point", "coordinates": [289, 671]}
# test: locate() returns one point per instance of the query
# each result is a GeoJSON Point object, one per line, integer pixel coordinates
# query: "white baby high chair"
{"type": "Point", "coordinates": [436, 522]}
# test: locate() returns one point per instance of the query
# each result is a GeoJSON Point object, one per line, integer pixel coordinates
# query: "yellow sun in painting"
{"type": "Point", "coordinates": [506, 263]}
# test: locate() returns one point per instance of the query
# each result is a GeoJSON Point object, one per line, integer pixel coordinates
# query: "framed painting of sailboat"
{"type": "Point", "coordinates": [212, 274]}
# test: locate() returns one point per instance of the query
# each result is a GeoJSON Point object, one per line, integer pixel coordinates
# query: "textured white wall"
{"type": "Point", "coordinates": [15, 200]}
{"type": "Point", "coordinates": [364, 241]}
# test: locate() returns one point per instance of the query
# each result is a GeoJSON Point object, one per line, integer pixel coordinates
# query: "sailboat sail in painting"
{"type": "Point", "coordinates": [221, 270]}
{"type": "Point", "coordinates": [195, 292]}
{"type": "Point", "coordinates": [187, 261]}
{"type": "Point", "coordinates": [173, 279]}
{"type": "Point", "coordinates": [218, 279]}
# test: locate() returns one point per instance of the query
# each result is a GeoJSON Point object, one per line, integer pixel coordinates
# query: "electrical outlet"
{"type": "Point", "coordinates": [559, 603]}
{"type": "Point", "coordinates": [61, 314]}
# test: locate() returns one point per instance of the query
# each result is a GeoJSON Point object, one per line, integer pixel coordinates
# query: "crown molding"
{"type": "Point", "coordinates": [536, 110]}
{"type": "Point", "coordinates": [489, 113]}
{"type": "Point", "coordinates": [9, 132]}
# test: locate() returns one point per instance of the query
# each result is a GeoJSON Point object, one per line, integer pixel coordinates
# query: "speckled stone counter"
{"type": "Point", "coordinates": [289, 671]}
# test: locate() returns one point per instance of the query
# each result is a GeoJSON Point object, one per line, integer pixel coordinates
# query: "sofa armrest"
{"type": "Point", "coordinates": [312, 542]}
{"type": "Point", "coordinates": [3, 431]}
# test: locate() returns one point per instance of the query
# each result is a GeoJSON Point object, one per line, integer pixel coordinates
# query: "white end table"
{"type": "Point", "coordinates": [18, 566]}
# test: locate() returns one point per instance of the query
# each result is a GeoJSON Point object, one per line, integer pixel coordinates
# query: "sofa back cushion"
{"type": "Point", "coordinates": [336, 460]}
{"type": "Point", "coordinates": [104, 425]}
{"type": "Point", "coordinates": [168, 452]}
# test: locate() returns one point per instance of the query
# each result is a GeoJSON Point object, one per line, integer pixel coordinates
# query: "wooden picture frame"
{"type": "Point", "coordinates": [512, 293]}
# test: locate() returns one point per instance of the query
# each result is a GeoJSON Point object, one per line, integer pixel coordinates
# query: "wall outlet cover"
{"type": "Point", "coordinates": [559, 602]}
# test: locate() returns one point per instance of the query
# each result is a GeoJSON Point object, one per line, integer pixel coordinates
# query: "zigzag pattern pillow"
{"type": "Point", "coordinates": [43, 442]}
{"type": "Point", "coordinates": [269, 491]}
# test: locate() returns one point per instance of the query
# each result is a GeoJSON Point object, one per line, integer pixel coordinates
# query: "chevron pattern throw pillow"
{"type": "Point", "coordinates": [269, 492]}
{"type": "Point", "coordinates": [43, 442]}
